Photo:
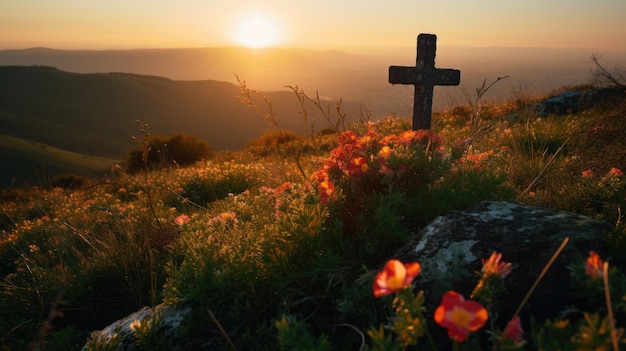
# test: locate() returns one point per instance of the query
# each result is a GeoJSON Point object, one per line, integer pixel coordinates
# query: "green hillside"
{"type": "Point", "coordinates": [95, 114]}
{"type": "Point", "coordinates": [30, 160]}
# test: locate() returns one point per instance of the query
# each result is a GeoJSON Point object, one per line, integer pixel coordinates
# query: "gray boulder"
{"type": "Point", "coordinates": [168, 319]}
{"type": "Point", "coordinates": [450, 251]}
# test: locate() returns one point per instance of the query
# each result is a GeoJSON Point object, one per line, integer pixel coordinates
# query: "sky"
{"type": "Point", "coordinates": [321, 24]}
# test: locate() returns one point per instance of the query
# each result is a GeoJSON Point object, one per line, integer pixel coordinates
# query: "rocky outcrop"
{"type": "Point", "coordinates": [452, 247]}
{"type": "Point", "coordinates": [572, 101]}
{"type": "Point", "coordinates": [168, 319]}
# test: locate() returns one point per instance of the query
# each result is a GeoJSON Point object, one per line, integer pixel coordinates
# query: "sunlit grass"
{"type": "Point", "coordinates": [280, 243]}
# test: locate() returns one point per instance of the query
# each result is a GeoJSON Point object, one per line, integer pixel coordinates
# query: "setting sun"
{"type": "Point", "coordinates": [257, 32]}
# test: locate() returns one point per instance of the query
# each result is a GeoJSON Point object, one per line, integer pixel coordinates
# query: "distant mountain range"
{"type": "Point", "coordinates": [360, 77]}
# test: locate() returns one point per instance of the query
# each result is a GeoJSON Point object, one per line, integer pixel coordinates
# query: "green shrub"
{"type": "Point", "coordinates": [271, 142]}
{"type": "Point", "coordinates": [161, 151]}
{"type": "Point", "coordinates": [68, 181]}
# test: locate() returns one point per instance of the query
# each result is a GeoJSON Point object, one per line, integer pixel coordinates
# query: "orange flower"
{"type": "Point", "coordinates": [587, 174]}
{"type": "Point", "coordinates": [616, 172]}
{"type": "Point", "coordinates": [395, 277]}
{"type": "Point", "coordinates": [514, 330]}
{"type": "Point", "coordinates": [384, 153]}
{"type": "Point", "coordinates": [460, 316]}
{"type": "Point", "coordinates": [593, 266]}
{"type": "Point", "coordinates": [358, 166]}
{"type": "Point", "coordinates": [494, 266]}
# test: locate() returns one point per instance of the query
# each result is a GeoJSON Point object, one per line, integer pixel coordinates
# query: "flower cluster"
{"type": "Point", "coordinates": [457, 315]}
{"type": "Point", "coordinates": [373, 160]}
{"type": "Point", "coordinates": [290, 197]}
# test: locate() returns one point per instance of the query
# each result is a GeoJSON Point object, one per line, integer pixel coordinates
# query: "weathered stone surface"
{"type": "Point", "coordinates": [169, 319]}
{"type": "Point", "coordinates": [572, 101]}
{"type": "Point", "coordinates": [450, 251]}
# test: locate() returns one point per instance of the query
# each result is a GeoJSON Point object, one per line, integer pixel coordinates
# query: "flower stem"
{"type": "Point", "coordinates": [609, 306]}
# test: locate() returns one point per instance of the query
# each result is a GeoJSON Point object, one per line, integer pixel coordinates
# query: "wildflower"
{"type": "Point", "coordinates": [395, 277]}
{"type": "Point", "coordinates": [587, 174]}
{"type": "Point", "coordinates": [182, 219]}
{"type": "Point", "coordinates": [358, 166]}
{"type": "Point", "coordinates": [460, 316]}
{"type": "Point", "coordinates": [407, 136]}
{"type": "Point", "coordinates": [616, 172]}
{"type": "Point", "coordinates": [384, 153]}
{"type": "Point", "coordinates": [514, 330]}
{"type": "Point", "coordinates": [326, 190]}
{"type": "Point", "coordinates": [228, 217]}
{"type": "Point", "coordinates": [593, 266]}
{"type": "Point", "coordinates": [493, 266]}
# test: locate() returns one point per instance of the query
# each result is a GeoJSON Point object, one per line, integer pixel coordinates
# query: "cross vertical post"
{"type": "Point", "coordinates": [424, 76]}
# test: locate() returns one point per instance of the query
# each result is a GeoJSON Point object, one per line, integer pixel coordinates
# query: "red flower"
{"type": "Point", "coordinates": [395, 277]}
{"type": "Point", "coordinates": [514, 330]}
{"type": "Point", "coordinates": [326, 189]}
{"type": "Point", "coordinates": [494, 266]}
{"type": "Point", "coordinates": [358, 166]}
{"type": "Point", "coordinates": [587, 174]}
{"type": "Point", "coordinates": [616, 172]}
{"type": "Point", "coordinates": [460, 316]}
{"type": "Point", "coordinates": [593, 266]}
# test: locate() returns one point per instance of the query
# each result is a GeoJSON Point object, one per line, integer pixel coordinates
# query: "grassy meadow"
{"type": "Point", "coordinates": [277, 247]}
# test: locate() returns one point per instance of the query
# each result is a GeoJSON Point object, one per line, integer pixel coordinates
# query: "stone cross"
{"type": "Point", "coordinates": [424, 76]}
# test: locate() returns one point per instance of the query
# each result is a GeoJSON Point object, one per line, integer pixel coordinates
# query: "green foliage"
{"type": "Point", "coordinates": [294, 335]}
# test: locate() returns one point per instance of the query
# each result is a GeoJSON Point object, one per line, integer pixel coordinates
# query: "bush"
{"type": "Point", "coordinates": [160, 151]}
{"type": "Point", "coordinates": [68, 181]}
{"type": "Point", "coordinates": [271, 142]}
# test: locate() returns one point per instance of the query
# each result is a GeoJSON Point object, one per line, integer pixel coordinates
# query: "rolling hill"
{"type": "Point", "coordinates": [95, 114]}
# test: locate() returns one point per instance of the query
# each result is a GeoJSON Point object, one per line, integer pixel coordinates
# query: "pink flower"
{"type": "Point", "coordinates": [182, 219]}
{"type": "Point", "coordinates": [593, 266]}
{"type": "Point", "coordinates": [493, 266]}
{"type": "Point", "coordinates": [395, 277]}
{"type": "Point", "coordinates": [514, 330]}
{"type": "Point", "coordinates": [460, 316]}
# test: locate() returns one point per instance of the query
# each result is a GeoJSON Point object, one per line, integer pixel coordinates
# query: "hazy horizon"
{"type": "Point", "coordinates": [320, 24]}
{"type": "Point", "coordinates": [355, 77]}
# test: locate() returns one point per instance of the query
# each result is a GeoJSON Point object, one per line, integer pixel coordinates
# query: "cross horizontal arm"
{"type": "Point", "coordinates": [417, 76]}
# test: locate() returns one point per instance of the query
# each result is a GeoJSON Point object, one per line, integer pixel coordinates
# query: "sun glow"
{"type": "Point", "coordinates": [257, 32]}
